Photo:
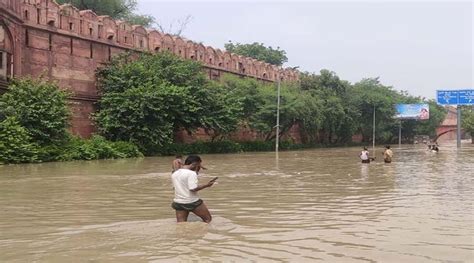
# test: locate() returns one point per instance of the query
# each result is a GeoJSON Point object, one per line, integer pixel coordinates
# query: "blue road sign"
{"type": "Point", "coordinates": [466, 97]}
{"type": "Point", "coordinates": [447, 97]}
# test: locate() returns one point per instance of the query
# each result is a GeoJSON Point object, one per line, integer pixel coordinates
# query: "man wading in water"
{"type": "Point", "coordinates": [387, 154]}
{"type": "Point", "coordinates": [186, 186]}
{"type": "Point", "coordinates": [364, 156]}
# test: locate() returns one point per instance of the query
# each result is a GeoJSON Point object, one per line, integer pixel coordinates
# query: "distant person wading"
{"type": "Point", "coordinates": [387, 154]}
{"type": "Point", "coordinates": [364, 155]}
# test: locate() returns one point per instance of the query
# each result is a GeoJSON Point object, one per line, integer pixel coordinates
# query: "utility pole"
{"type": "Point", "coordinates": [459, 127]}
{"type": "Point", "coordinates": [373, 134]}
{"type": "Point", "coordinates": [277, 139]}
{"type": "Point", "coordinates": [400, 135]}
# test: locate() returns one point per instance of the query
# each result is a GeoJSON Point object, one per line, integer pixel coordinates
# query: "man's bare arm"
{"type": "Point", "coordinates": [203, 186]}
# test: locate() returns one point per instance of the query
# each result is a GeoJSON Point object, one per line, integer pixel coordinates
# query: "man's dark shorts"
{"type": "Point", "coordinates": [186, 207]}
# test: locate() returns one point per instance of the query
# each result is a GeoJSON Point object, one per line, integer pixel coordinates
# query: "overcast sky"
{"type": "Point", "coordinates": [415, 46]}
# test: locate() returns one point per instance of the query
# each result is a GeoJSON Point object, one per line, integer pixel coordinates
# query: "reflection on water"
{"type": "Point", "coordinates": [304, 206]}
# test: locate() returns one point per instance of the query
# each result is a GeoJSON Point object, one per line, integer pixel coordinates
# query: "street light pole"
{"type": "Point", "coordinates": [400, 135]}
{"type": "Point", "coordinates": [373, 134]}
{"type": "Point", "coordinates": [277, 139]}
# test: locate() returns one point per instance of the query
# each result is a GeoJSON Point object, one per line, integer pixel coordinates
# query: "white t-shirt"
{"type": "Point", "coordinates": [183, 181]}
{"type": "Point", "coordinates": [364, 155]}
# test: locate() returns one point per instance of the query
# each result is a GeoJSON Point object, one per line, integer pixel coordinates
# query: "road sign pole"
{"type": "Point", "coordinates": [373, 135]}
{"type": "Point", "coordinates": [277, 139]}
{"type": "Point", "coordinates": [458, 98]}
{"type": "Point", "coordinates": [400, 135]}
{"type": "Point", "coordinates": [459, 128]}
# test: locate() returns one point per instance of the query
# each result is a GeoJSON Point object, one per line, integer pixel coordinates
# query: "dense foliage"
{"type": "Point", "coordinates": [16, 145]}
{"type": "Point", "coordinates": [98, 147]}
{"type": "Point", "coordinates": [118, 9]}
{"type": "Point", "coordinates": [33, 128]}
{"type": "Point", "coordinates": [147, 99]}
{"type": "Point", "coordinates": [467, 115]}
{"type": "Point", "coordinates": [259, 52]}
{"type": "Point", "coordinates": [258, 102]}
{"type": "Point", "coordinates": [329, 110]}
{"type": "Point", "coordinates": [40, 107]}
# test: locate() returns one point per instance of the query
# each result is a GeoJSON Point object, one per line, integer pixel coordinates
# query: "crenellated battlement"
{"type": "Point", "coordinates": [69, 21]}
{"type": "Point", "coordinates": [66, 45]}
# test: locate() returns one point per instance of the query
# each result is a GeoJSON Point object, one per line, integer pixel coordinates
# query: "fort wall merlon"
{"type": "Point", "coordinates": [69, 21]}
{"type": "Point", "coordinates": [63, 44]}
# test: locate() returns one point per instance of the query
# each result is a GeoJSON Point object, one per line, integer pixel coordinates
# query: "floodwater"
{"type": "Point", "coordinates": [312, 205]}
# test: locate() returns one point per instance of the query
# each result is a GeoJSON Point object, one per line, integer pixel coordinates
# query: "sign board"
{"type": "Point", "coordinates": [466, 97]}
{"type": "Point", "coordinates": [455, 97]}
{"type": "Point", "coordinates": [413, 111]}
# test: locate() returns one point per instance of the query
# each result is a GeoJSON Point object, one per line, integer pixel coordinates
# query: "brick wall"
{"type": "Point", "coordinates": [66, 45]}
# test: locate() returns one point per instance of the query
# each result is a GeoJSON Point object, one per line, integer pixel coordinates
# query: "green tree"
{"type": "Point", "coordinates": [467, 114]}
{"type": "Point", "coordinates": [143, 115]}
{"type": "Point", "coordinates": [338, 115]}
{"type": "Point", "coordinates": [310, 117]}
{"type": "Point", "coordinates": [40, 107]}
{"type": "Point", "coordinates": [326, 80]}
{"type": "Point", "coordinates": [370, 94]}
{"type": "Point", "coordinates": [118, 9]}
{"type": "Point", "coordinates": [259, 106]}
{"type": "Point", "coordinates": [224, 114]}
{"type": "Point", "coordinates": [259, 52]}
{"type": "Point", "coordinates": [246, 91]}
{"type": "Point", "coordinates": [147, 21]}
{"type": "Point", "coordinates": [145, 100]}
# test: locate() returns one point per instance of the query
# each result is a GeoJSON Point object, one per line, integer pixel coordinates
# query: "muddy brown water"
{"type": "Point", "coordinates": [305, 206]}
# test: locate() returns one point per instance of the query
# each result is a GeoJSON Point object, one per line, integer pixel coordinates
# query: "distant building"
{"type": "Point", "coordinates": [447, 130]}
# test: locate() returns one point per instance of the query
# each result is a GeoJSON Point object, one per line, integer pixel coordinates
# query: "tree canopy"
{"type": "Point", "coordinates": [259, 52]}
{"type": "Point", "coordinates": [147, 99]}
{"type": "Point", "coordinates": [468, 120]}
{"type": "Point", "coordinates": [117, 9]}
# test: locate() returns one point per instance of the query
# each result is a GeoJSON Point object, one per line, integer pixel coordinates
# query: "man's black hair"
{"type": "Point", "coordinates": [388, 146]}
{"type": "Point", "coordinates": [178, 156]}
{"type": "Point", "coordinates": [365, 148]}
{"type": "Point", "coordinates": [192, 159]}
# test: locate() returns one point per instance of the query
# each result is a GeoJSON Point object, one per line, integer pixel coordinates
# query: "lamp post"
{"type": "Point", "coordinates": [400, 134]}
{"type": "Point", "coordinates": [277, 139]}
{"type": "Point", "coordinates": [458, 130]}
{"type": "Point", "coordinates": [373, 134]}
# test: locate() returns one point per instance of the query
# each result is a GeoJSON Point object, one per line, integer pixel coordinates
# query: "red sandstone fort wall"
{"type": "Point", "coordinates": [66, 45]}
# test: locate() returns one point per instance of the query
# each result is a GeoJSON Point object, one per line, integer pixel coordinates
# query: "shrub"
{"type": "Point", "coordinates": [15, 143]}
{"type": "Point", "coordinates": [51, 152]}
{"type": "Point", "coordinates": [40, 107]}
{"type": "Point", "coordinates": [126, 150]}
{"type": "Point", "coordinates": [98, 147]}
